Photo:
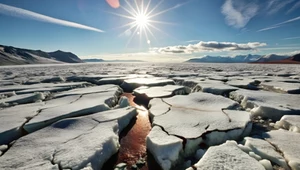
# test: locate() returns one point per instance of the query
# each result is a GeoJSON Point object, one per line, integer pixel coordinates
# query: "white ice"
{"type": "Point", "coordinates": [13, 118]}
{"type": "Point", "coordinates": [267, 104]}
{"type": "Point", "coordinates": [84, 105]}
{"type": "Point", "coordinates": [288, 143]}
{"type": "Point", "coordinates": [227, 156]}
{"type": "Point", "coordinates": [22, 99]}
{"type": "Point", "coordinates": [265, 150]}
{"type": "Point", "coordinates": [165, 148]}
{"type": "Point", "coordinates": [289, 122]}
{"type": "Point", "coordinates": [161, 91]}
{"type": "Point", "coordinates": [74, 143]}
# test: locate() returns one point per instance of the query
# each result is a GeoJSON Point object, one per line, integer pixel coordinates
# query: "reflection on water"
{"type": "Point", "coordinates": [133, 141]}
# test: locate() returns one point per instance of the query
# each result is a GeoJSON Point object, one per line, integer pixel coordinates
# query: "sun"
{"type": "Point", "coordinates": [141, 20]}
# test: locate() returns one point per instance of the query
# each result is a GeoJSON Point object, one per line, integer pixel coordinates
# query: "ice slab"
{"type": "Point", "coordinates": [7, 94]}
{"type": "Point", "coordinates": [289, 122]}
{"type": "Point", "coordinates": [158, 107]}
{"type": "Point", "coordinates": [84, 105]}
{"type": "Point", "coordinates": [218, 78]}
{"type": "Point", "coordinates": [267, 104]}
{"type": "Point", "coordinates": [199, 113]}
{"type": "Point", "coordinates": [93, 78]}
{"type": "Point", "coordinates": [245, 83]}
{"type": "Point", "coordinates": [198, 118]}
{"type": "Point", "coordinates": [277, 86]}
{"type": "Point", "coordinates": [266, 151]}
{"type": "Point", "coordinates": [22, 99]}
{"type": "Point", "coordinates": [165, 148]}
{"type": "Point", "coordinates": [288, 143]}
{"type": "Point", "coordinates": [218, 88]}
{"type": "Point", "coordinates": [44, 89]}
{"type": "Point", "coordinates": [41, 85]}
{"type": "Point", "coordinates": [161, 91]}
{"type": "Point", "coordinates": [12, 119]}
{"type": "Point", "coordinates": [89, 90]}
{"type": "Point", "coordinates": [131, 84]}
{"type": "Point", "coordinates": [227, 156]}
{"type": "Point", "coordinates": [76, 143]}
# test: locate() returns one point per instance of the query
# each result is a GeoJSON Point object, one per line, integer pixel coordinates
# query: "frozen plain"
{"type": "Point", "coordinates": [203, 116]}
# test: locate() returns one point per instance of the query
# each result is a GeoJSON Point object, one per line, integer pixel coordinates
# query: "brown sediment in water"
{"type": "Point", "coordinates": [133, 141]}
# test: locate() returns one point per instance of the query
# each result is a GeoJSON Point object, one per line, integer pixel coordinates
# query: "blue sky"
{"type": "Point", "coordinates": [183, 29]}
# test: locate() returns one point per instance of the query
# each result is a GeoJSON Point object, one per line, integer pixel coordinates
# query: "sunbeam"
{"type": "Point", "coordinates": [141, 17]}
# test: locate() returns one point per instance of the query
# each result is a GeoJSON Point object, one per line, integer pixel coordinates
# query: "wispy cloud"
{"type": "Point", "coordinates": [279, 24]}
{"type": "Point", "coordinates": [210, 46]}
{"type": "Point", "coordinates": [192, 41]}
{"type": "Point", "coordinates": [296, 6]}
{"type": "Point", "coordinates": [26, 14]}
{"type": "Point", "coordinates": [291, 38]}
{"type": "Point", "coordinates": [239, 13]}
{"type": "Point", "coordinates": [274, 6]}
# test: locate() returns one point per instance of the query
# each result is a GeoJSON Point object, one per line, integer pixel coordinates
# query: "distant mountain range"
{"type": "Point", "coordinates": [271, 58]}
{"type": "Point", "coordinates": [15, 56]}
{"type": "Point", "coordinates": [295, 59]}
{"type": "Point", "coordinates": [219, 59]}
{"type": "Point", "coordinates": [95, 60]}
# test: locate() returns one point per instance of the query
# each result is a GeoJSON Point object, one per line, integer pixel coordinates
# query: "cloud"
{"type": "Point", "coordinates": [210, 46]}
{"type": "Point", "coordinates": [273, 6]}
{"type": "Point", "coordinates": [22, 13]}
{"type": "Point", "coordinates": [279, 24]}
{"type": "Point", "coordinates": [239, 13]}
{"type": "Point", "coordinates": [296, 6]}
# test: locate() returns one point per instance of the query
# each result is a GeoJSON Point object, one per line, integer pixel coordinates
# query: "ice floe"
{"type": "Point", "coordinates": [199, 118]}
{"type": "Point", "coordinates": [84, 104]}
{"type": "Point", "coordinates": [289, 122]}
{"type": "Point", "coordinates": [131, 84]}
{"type": "Point", "coordinates": [166, 149]}
{"type": "Point", "coordinates": [161, 91]}
{"type": "Point", "coordinates": [266, 151]}
{"type": "Point", "coordinates": [76, 143]}
{"type": "Point", "coordinates": [287, 143]}
{"type": "Point", "coordinates": [268, 105]}
{"type": "Point", "coordinates": [227, 156]}
{"type": "Point", "coordinates": [22, 99]}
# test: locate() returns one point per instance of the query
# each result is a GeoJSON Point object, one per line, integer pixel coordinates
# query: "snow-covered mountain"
{"type": "Point", "coordinates": [272, 57]}
{"type": "Point", "coordinates": [16, 56]}
{"type": "Point", "coordinates": [219, 59]}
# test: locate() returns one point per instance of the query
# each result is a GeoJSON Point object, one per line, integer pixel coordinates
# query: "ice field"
{"type": "Point", "coordinates": [150, 116]}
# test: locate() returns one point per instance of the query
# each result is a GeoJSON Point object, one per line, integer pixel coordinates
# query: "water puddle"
{"type": "Point", "coordinates": [133, 149]}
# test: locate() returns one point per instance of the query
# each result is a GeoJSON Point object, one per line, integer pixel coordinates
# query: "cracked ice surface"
{"type": "Point", "coordinates": [288, 143]}
{"type": "Point", "coordinates": [22, 99]}
{"type": "Point", "coordinates": [192, 117]}
{"type": "Point", "coordinates": [80, 142]}
{"type": "Point", "coordinates": [12, 120]}
{"type": "Point", "coordinates": [289, 122]}
{"type": "Point", "coordinates": [41, 85]}
{"type": "Point", "coordinates": [267, 104]}
{"type": "Point", "coordinates": [165, 148]}
{"type": "Point", "coordinates": [227, 156]}
{"type": "Point", "coordinates": [73, 143]}
{"type": "Point", "coordinates": [265, 150]}
{"type": "Point", "coordinates": [85, 104]}
{"type": "Point", "coordinates": [161, 91]}
{"type": "Point", "coordinates": [198, 113]}
{"type": "Point", "coordinates": [293, 88]}
{"type": "Point", "coordinates": [89, 90]}
{"type": "Point", "coordinates": [131, 84]}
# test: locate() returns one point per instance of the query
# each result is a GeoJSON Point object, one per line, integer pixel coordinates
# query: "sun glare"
{"type": "Point", "coordinates": [141, 18]}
